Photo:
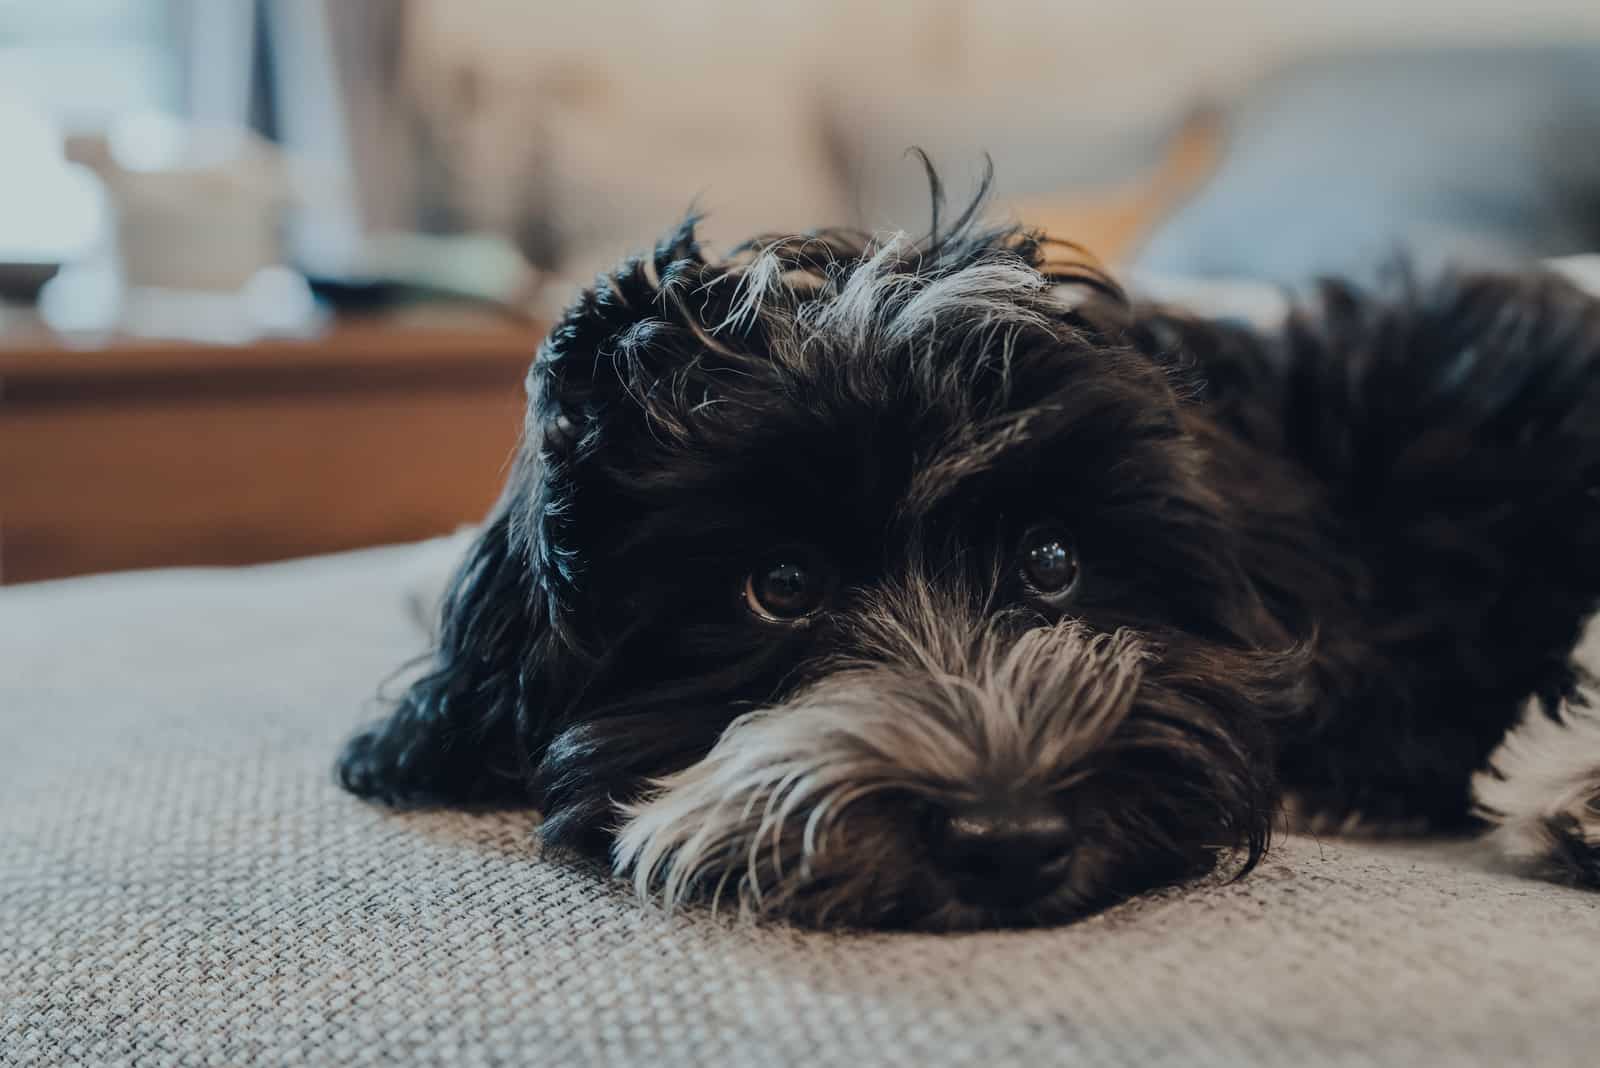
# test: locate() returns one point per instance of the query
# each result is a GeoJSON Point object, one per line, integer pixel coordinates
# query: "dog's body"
{"type": "Point", "coordinates": [880, 582]}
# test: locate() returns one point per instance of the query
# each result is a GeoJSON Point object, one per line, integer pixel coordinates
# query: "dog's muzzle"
{"type": "Point", "coordinates": [937, 775]}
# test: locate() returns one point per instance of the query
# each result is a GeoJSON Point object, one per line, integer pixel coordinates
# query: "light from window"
{"type": "Point", "coordinates": [86, 63]}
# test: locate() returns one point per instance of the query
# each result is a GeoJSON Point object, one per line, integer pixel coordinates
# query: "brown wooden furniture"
{"type": "Point", "coordinates": [146, 454]}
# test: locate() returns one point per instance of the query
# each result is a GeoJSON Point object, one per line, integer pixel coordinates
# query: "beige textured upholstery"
{"type": "Point", "coordinates": [181, 883]}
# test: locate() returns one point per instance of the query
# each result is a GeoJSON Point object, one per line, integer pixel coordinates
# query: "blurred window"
{"type": "Point", "coordinates": [86, 63]}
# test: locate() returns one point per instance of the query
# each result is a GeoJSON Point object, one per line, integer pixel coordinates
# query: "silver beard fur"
{"type": "Point", "coordinates": [948, 710]}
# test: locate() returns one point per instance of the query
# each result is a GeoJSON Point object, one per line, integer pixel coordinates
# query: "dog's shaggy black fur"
{"type": "Point", "coordinates": [1330, 563]}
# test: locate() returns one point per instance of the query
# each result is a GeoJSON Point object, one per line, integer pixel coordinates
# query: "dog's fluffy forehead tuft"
{"type": "Point", "coordinates": [668, 330]}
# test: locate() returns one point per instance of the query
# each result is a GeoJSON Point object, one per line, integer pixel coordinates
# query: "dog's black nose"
{"type": "Point", "coordinates": [1006, 854]}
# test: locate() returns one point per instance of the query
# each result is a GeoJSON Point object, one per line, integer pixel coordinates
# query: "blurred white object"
{"type": "Point", "coordinates": [199, 206]}
{"type": "Point", "coordinates": [278, 301]}
{"type": "Point", "coordinates": [1581, 271]}
{"type": "Point", "coordinates": [88, 302]}
{"type": "Point", "coordinates": [83, 300]}
{"type": "Point", "coordinates": [1260, 304]}
{"type": "Point", "coordinates": [51, 211]}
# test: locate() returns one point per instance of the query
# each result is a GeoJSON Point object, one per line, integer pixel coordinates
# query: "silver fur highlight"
{"type": "Point", "coordinates": [880, 302]}
{"type": "Point", "coordinates": [1541, 791]}
{"type": "Point", "coordinates": [945, 718]}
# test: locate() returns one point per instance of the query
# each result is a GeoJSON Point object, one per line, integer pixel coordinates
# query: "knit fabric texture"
{"type": "Point", "coordinates": [181, 883]}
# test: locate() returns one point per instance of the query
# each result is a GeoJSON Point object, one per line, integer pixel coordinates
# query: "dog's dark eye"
{"type": "Point", "coordinates": [1046, 559]}
{"type": "Point", "coordinates": [788, 586]}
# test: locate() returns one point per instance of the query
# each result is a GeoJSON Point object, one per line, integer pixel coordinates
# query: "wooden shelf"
{"type": "Point", "coordinates": [144, 454]}
{"type": "Point", "coordinates": [367, 346]}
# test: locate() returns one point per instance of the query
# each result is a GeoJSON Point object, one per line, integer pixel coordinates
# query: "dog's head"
{"type": "Point", "coordinates": [864, 582]}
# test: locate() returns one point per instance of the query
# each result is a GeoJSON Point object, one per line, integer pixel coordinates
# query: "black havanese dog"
{"type": "Point", "coordinates": [886, 582]}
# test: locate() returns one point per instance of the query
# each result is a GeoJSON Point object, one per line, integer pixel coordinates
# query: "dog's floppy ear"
{"type": "Point", "coordinates": [474, 727]}
{"type": "Point", "coordinates": [460, 733]}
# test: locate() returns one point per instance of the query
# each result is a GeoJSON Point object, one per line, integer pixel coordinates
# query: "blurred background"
{"type": "Point", "coordinates": [271, 270]}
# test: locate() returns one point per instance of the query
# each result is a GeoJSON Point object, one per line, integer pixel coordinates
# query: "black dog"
{"type": "Point", "coordinates": [935, 583]}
